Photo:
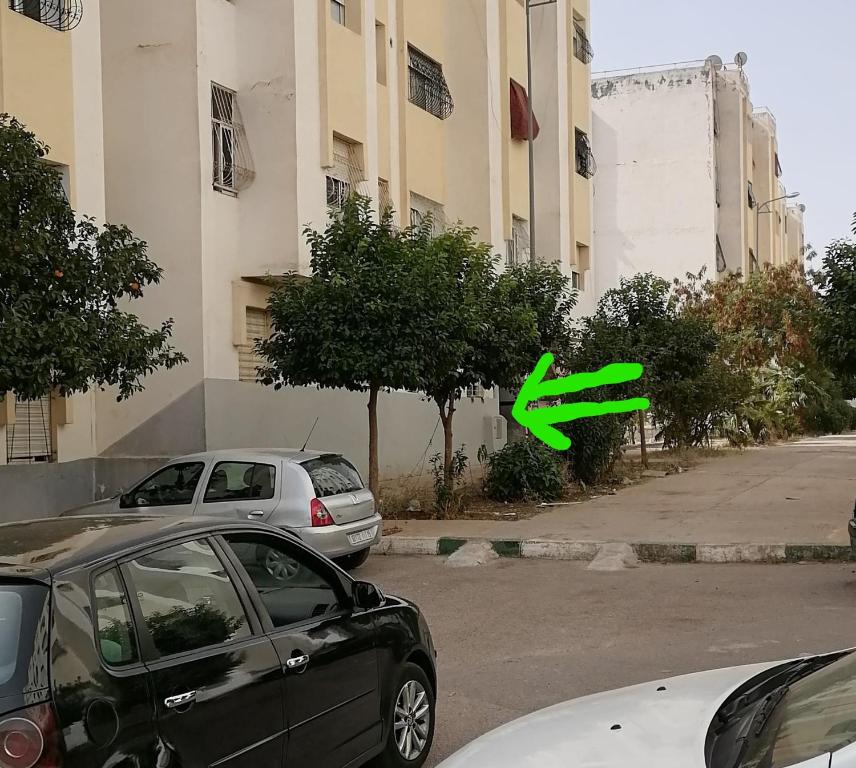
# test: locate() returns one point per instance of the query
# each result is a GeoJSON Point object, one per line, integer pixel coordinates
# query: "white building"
{"type": "Point", "coordinates": [684, 169]}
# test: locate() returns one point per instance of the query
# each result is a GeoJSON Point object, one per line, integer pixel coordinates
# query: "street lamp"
{"type": "Point", "coordinates": [758, 213]}
{"type": "Point", "coordinates": [529, 6]}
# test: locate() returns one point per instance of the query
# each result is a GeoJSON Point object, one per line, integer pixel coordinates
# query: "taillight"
{"type": "Point", "coordinates": [30, 739]}
{"type": "Point", "coordinates": [319, 514]}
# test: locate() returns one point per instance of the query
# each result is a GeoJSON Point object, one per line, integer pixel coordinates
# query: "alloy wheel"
{"type": "Point", "coordinates": [412, 720]}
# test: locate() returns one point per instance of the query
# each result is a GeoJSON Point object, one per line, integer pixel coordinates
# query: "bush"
{"type": "Point", "coordinates": [526, 470]}
{"type": "Point", "coordinates": [595, 446]}
{"type": "Point", "coordinates": [830, 418]}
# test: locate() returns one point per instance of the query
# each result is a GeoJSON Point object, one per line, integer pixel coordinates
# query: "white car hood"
{"type": "Point", "coordinates": [660, 729]}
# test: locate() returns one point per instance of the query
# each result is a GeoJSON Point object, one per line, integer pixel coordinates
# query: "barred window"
{"type": "Point", "coordinates": [423, 209]}
{"type": "Point", "coordinates": [338, 192]}
{"type": "Point", "coordinates": [258, 325]}
{"type": "Point", "coordinates": [232, 164]}
{"type": "Point", "coordinates": [582, 47]}
{"type": "Point", "coordinates": [428, 88]}
{"type": "Point", "coordinates": [586, 165]}
{"type": "Point", "coordinates": [517, 249]}
{"type": "Point", "coordinates": [62, 15]}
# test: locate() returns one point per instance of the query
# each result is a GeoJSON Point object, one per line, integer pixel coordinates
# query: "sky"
{"type": "Point", "coordinates": [802, 65]}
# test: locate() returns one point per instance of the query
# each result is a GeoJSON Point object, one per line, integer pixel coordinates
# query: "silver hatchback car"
{"type": "Point", "coordinates": [319, 496]}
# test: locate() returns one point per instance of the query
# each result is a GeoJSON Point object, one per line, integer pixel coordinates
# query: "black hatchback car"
{"type": "Point", "coordinates": [158, 642]}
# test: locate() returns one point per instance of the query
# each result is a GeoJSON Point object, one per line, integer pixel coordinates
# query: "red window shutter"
{"type": "Point", "coordinates": [520, 114]}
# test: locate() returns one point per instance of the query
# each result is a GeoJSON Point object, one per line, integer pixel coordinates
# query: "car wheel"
{"type": "Point", "coordinates": [411, 731]}
{"type": "Point", "coordinates": [354, 561]}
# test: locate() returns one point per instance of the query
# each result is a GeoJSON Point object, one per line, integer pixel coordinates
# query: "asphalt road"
{"type": "Point", "coordinates": [518, 635]}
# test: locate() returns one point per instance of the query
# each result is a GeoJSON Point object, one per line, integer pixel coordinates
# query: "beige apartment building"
{"type": "Point", "coordinates": [689, 175]}
{"type": "Point", "coordinates": [230, 126]}
{"type": "Point", "coordinates": [50, 79]}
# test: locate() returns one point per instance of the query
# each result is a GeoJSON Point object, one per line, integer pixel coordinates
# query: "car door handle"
{"type": "Point", "coordinates": [180, 700]}
{"type": "Point", "coordinates": [297, 663]}
{"type": "Point", "coordinates": [256, 513]}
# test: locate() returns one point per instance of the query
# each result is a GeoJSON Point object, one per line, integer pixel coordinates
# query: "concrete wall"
{"type": "Point", "coordinates": [655, 187]}
{"type": "Point", "coordinates": [248, 415]}
{"type": "Point", "coordinates": [44, 490]}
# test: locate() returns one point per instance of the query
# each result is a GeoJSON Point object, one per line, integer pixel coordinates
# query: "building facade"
{"type": "Point", "coordinates": [688, 175]}
{"type": "Point", "coordinates": [229, 127]}
{"type": "Point", "coordinates": [50, 80]}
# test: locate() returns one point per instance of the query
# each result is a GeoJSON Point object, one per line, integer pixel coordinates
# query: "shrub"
{"type": "Point", "coordinates": [449, 497]}
{"type": "Point", "coordinates": [831, 418]}
{"type": "Point", "coordinates": [525, 470]}
{"type": "Point", "coordinates": [595, 446]}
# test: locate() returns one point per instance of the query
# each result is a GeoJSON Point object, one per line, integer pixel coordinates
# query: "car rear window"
{"type": "Point", "coordinates": [23, 637]}
{"type": "Point", "coordinates": [332, 475]}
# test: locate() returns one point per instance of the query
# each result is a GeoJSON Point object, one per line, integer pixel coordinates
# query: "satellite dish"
{"type": "Point", "coordinates": [740, 59]}
{"type": "Point", "coordinates": [801, 206]}
{"type": "Point", "coordinates": [714, 62]}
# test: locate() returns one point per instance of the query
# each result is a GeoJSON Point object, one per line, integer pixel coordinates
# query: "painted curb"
{"type": "Point", "coordinates": [647, 552]}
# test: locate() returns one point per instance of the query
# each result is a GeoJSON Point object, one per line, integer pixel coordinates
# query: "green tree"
{"type": "Point", "coordinates": [355, 322]}
{"type": "Point", "coordinates": [836, 284]}
{"type": "Point", "coordinates": [487, 328]}
{"type": "Point", "coordinates": [62, 282]}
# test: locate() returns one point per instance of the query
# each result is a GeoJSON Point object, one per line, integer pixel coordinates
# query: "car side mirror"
{"type": "Point", "coordinates": [366, 596]}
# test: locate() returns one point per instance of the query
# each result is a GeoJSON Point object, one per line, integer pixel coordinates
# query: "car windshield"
{"type": "Point", "coordinates": [816, 716]}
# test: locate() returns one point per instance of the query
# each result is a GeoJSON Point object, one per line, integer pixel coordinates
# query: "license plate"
{"type": "Point", "coordinates": [363, 536]}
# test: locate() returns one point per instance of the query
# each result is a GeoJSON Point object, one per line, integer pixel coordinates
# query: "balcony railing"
{"type": "Point", "coordinates": [61, 15]}
{"type": "Point", "coordinates": [582, 47]}
{"type": "Point", "coordinates": [585, 163]}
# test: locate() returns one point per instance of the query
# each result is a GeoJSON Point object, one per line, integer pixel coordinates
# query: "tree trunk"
{"type": "Point", "coordinates": [374, 481]}
{"type": "Point", "coordinates": [448, 442]}
{"type": "Point", "coordinates": [642, 448]}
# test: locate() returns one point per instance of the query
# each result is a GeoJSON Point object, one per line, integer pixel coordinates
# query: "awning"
{"type": "Point", "coordinates": [520, 114]}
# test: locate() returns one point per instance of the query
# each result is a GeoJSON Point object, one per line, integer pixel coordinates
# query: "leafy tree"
{"type": "Point", "coordinates": [836, 284]}
{"type": "Point", "coordinates": [62, 282]}
{"type": "Point", "coordinates": [355, 323]}
{"type": "Point", "coordinates": [487, 328]}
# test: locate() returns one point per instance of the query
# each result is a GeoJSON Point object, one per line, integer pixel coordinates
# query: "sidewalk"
{"type": "Point", "coordinates": [785, 502]}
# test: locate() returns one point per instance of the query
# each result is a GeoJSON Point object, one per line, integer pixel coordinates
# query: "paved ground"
{"type": "Point", "coordinates": [516, 635]}
{"type": "Point", "coordinates": [792, 493]}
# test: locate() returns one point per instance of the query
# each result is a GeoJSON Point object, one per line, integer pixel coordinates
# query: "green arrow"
{"type": "Point", "coordinates": [540, 421]}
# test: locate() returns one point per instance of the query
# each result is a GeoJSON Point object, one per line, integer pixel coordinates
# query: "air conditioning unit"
{"type": "Point", "coordinates": [496, 432]}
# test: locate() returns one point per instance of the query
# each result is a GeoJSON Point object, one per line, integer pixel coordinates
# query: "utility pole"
{"type": "Point", "coordinates": [531, 139]}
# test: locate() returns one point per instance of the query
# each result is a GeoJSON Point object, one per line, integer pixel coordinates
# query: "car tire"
{"type": "Point", "coordinates": [413, 698]}
{"type": "Point", "coordinates": [353, 561]}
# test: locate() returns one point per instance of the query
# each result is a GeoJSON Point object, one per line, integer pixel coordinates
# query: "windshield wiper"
{"type": "Point", "coordinates": [755, 725]}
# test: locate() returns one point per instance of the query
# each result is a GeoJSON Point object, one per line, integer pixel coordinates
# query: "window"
{"type": "Point", "coordinates": [517, 249]}
{"type": "Point", "coordinates": [721, 266]}
{"type": "Point", "coordinates": [346, 173]}
{"type": "Point", "coordinates": [293, 586]}
{"type": "Point", "coordinates": [240, 481]}
{"type": "Point", "coordinates": [116, 640]}
{"type": "Point", "coordinates": [582, 47]}
{"type": "Point", "coordinates": [338, 192]}
{"type": "Point", "coordinates": [383, 197]}
{"type": "Point", "coordinates": [380, 52]}
{"type": "Point", "coordinates": [585, 164]}
{"type": "Point", "coordinates": [427, 85]}
{"type": "Point", "coordinates": [751, 196]}
{"type": "Point", "coordinates": [753, 262]}
{"type": "Point", "coordinates": [576, 280]}
{"type": "Point", "coordinates": [62, 15]}
{"type": "Point", "coordinates": [258, 329]}
{"type": "Point", "coordinates": [223, 136]}
{"type": "Point", "coordinates": [187, 599]}
{"type": "Point", "coordinates": [337, 11]}
{"type": "Point", "coordinates": [423, 210]}
{"type": "Point", "coordinates": [174, 485]}
{"type": "Point", "coordinates": [332, 475]}
{"type": "Point", "coordinates": [29, 440]}
{"type": "Point", "coordinates": [477, 391]}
